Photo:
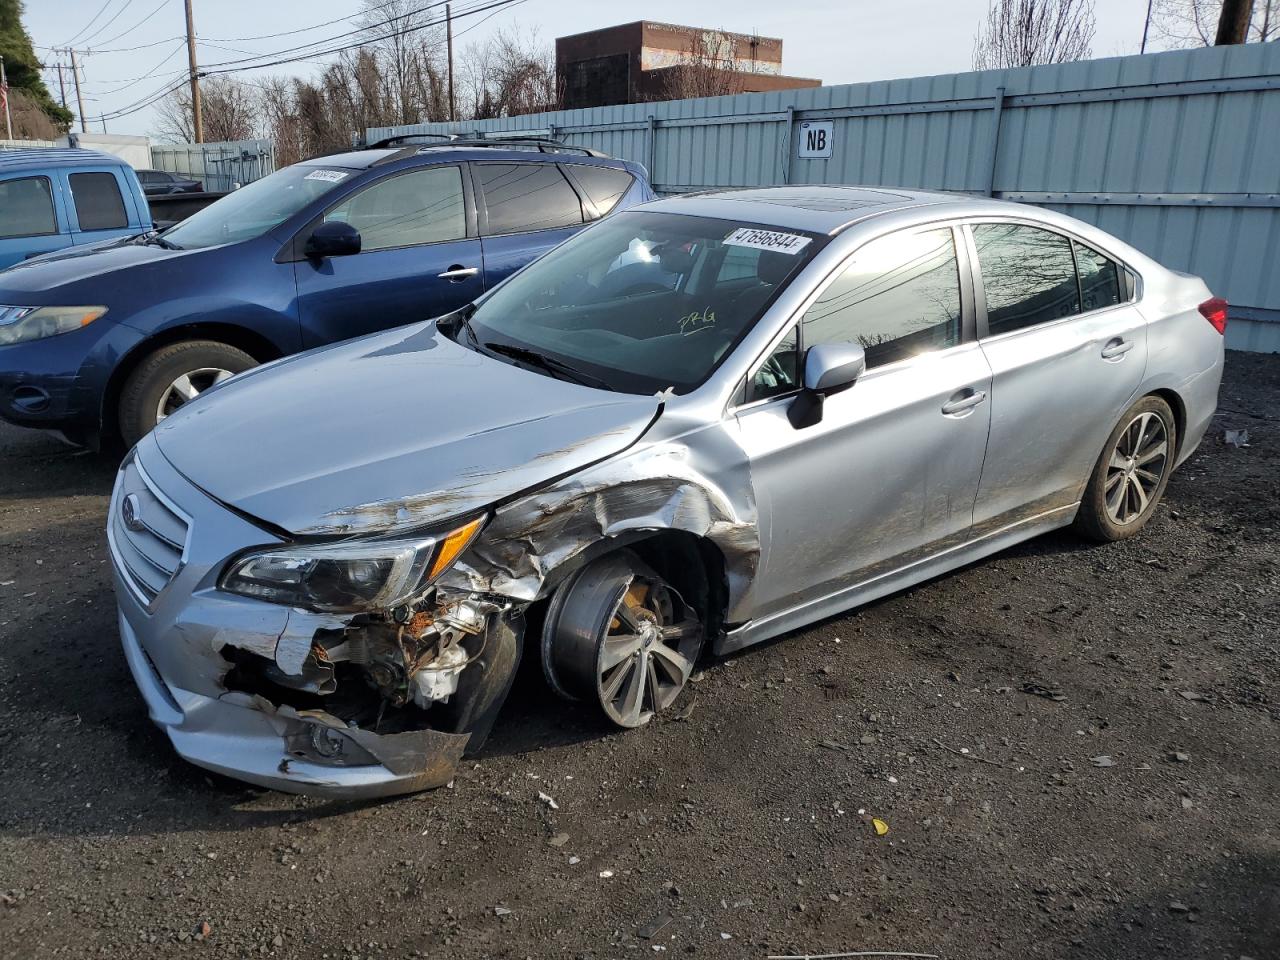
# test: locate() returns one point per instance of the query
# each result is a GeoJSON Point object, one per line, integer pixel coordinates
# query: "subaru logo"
{"type": "Point", "coordinates": [131, 512]}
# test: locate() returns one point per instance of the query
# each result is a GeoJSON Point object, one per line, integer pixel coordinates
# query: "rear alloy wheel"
{"type": "Point", "coordinates": [1132, 473]}
{"type": "Point", "coordinates": [172, 377]}
{"type": "Point", "coordinates": [619, 635]}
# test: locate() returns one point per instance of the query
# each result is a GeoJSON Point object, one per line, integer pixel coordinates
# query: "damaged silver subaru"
{"type": "Point", "coordinates": [693, 426]}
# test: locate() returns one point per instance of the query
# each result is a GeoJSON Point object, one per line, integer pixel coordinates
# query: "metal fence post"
{"type": "Point", "coordinates": [650, 145]}
{"type": "Point", "coordinates": [787, 136]}
{"type": "Point", "coordinates": [997, 107]}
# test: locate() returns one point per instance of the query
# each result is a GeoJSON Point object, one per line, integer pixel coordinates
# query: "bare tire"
{"type": "Point", "coordinates": [617, 634]}
{"type": "Point", "coordinates": [172, 376]}
{"type": "Point", "coordinates": [1130, 476]}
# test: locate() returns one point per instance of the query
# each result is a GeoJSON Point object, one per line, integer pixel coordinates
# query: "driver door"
{"type": "Point", "coordinates": [419, 257]}
{"type": "Point", "coordinates": [890, 473]}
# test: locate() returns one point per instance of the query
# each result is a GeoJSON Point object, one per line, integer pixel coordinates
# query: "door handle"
{"type": "Point", "coordinates": [964, 401]}
{"type": "Point", "coordinates": [458, 272]}
{"type": "Point", "coordinates": [1117, 348]}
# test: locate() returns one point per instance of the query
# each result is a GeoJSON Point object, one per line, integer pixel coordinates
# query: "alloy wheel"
{"type": "Point", "coordinates": [187, 387]}
{"type": "Point", "coordinates": [1137, 465]}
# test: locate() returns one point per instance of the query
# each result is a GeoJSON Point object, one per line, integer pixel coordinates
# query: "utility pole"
{"type": "Point", "coordinates": [448, 35]}
{"type": "Point", "coordinates": [1146, 25]}
{"type": "Point", "coordinates": [1233, 22]}
{"type": "Point", "coordinates": [75, 76]}
{"type": "Point", "coordinates": [62, 86]}
{"type": "Point", "coordinates": [197, 117]}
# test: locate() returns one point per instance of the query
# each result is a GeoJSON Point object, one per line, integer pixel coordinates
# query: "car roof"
{"type": "Point", "coordinates": [42, 157]}
{"type": "Point", "coordinates": [816, 209]}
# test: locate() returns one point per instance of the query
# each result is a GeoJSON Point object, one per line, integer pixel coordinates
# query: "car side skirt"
{"type": "Point", "coordinates": [883, 584]}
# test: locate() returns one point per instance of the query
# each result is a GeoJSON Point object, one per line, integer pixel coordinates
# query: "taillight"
{"type": "Point", "coordinates": [1215, 311]}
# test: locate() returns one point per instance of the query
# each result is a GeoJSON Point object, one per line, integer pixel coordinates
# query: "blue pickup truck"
{"type": "Point", "coordinates": [56, 198]}
{"type": "Point", "coordinates": [103, 341]}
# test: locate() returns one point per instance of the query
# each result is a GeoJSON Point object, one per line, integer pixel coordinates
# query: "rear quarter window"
{"type": "Point", "coordinates": [604, 186]}
{"type": "Point", "coordinates": [26, 208]}
{"type": "Point", "coordinates": [527, 196]}
{"type": "Point", "coordinates": [99, 205]}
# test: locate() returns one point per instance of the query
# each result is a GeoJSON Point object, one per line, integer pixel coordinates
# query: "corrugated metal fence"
{"type": "Point", "coordinates": [1178, 153]}
{"type": "Point", "coordinates": [220, 166]}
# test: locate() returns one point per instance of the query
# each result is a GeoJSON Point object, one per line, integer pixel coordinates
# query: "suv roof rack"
{"type": "Point", "coordinates": [447, 140]}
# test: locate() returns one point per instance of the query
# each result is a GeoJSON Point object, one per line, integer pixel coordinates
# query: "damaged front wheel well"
{"type": "Point", "coordinates": [695, 567]}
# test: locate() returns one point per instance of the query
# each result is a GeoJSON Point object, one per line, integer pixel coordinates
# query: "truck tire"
{"type": "Point", "coordinates": [172, 376]}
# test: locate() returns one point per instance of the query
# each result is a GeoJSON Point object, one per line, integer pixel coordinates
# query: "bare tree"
{"type": "Point", "coordinates": [713, 66]}
{"type": "Point", "coordinates": [230, 111]}
{"type": "Point", "coordinates": [1023, 33]}
{"type": "Point", "coordinates": [511, 74]}
{"type": "Point", "coordinates": [1194, 23]}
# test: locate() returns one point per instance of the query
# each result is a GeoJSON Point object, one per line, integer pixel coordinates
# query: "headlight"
{"type": "Point", "coordinates": [350, 575]}
{"type": "Point", "coordinates": [34, 323]}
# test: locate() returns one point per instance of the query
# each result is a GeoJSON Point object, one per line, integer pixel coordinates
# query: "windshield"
{"type": "Point", "coordinates": [256, 207]}
{"type": "Point", "coordinates": [643, 301]}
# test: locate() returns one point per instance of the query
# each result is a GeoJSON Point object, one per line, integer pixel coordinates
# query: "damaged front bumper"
{"type": "Point", "coordinates": [246, 688]}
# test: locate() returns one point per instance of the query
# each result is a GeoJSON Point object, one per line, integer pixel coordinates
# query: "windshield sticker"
{"type": "Point", "coordinates": [330, 176]}
{"type": "Point", "coordinates": [789, 243]}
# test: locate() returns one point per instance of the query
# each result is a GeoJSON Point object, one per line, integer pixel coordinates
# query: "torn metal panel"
{"type": "Point", "coordinates": [664, 485]}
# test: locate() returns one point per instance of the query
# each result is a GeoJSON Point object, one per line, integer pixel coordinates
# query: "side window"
{"type": "Point", "coordinates": [422, 206]}
{"type": "Point", "coordinates": [1099, 278]}
{"type": "Point", "coordinates": [605, 186]}
{"type": "Point", "coordinates": [899, 297]}
{"type": "Point", "coordinates": [26, 208]}
{"type": "Point", "coordinates": [780, 373]}
{"type": "Point", "coordinates": [99, 205]}
{"type": "Point", "coordinates": [1028, 274]}
{"type": "Point", "coordinates": [527, 196]}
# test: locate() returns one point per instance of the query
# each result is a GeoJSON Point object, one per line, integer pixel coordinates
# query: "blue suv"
{"type": "Point", "coordinates": [104, 341]}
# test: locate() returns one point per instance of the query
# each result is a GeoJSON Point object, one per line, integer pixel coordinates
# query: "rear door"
{"type": "Point", "coordinates": [1067, 349]}
{"type": "Point", "coordinates": [32, 220]}
{"type": "Point", "coordinates": [419, 258]}
{"type": "Point", "coordinates": [525, 210]}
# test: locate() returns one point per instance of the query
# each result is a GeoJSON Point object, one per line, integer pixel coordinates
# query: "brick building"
{"type": "Point", "coordinates": [643, 61]}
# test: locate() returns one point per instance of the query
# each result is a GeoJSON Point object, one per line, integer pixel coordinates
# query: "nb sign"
{"type": "Point", "coordinates": [815, 139]}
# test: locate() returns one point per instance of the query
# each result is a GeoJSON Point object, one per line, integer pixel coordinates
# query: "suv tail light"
{"type": "Point", "coordinates": [1215, 311]}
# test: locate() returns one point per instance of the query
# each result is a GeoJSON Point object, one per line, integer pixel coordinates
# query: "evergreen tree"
{"type": "Point", "coordinates": [22, 66]}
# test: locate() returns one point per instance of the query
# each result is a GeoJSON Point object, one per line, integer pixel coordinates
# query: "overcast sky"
{"type": "Point", "coordinates": [838, 41]}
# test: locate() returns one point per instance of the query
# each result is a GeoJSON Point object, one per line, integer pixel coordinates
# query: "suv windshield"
{"type": "Point", "coordinates": [256, 207]}
{"type": "Point", "coordinates": [643, 301]}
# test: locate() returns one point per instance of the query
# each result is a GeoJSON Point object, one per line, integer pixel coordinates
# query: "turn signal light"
{"type": "Point", "coordinates": [1215, 311]}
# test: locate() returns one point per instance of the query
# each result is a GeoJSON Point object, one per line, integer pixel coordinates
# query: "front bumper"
{"type": "Point", "coordinates": [173, 642]}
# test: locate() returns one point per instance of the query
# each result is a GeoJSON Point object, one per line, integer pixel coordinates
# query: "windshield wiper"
{"type": "Point", "coordinates": [557, 368]}
{"type": "Point", "coordinates": [153, 239]}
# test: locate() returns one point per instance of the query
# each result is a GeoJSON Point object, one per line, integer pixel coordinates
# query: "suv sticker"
{"type": "Point", "coordinates": [331, 176]}
{"type": "Point", "coordinates": [767, 240]}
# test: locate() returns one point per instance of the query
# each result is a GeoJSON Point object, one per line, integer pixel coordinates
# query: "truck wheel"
{"type": "Point", "coordinates": [172, 376]}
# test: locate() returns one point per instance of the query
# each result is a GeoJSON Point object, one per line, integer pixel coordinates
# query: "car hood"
{"type": "Point", "coordinates": [401, 429]}
{"type": "Point", "coordinates": [31, 281]}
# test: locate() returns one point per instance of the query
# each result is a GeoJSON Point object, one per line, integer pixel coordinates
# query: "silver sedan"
{"type": "Point", "coordinates": [692, 427]}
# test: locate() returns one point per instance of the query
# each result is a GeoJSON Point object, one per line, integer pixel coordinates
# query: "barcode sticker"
{"type": "Point", "coordinates": [331, 176]}
{"type": "Point", "coordinates": [767, 240]}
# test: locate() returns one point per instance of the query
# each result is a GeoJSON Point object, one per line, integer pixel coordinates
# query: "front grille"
{"type": "Point", "coordinates": [148, 534]}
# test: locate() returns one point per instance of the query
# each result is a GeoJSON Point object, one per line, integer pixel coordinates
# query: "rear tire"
{"type": "Point", "coordinates": [1131, 473]}
{"type": "Point", "coordinates": [172, 376]}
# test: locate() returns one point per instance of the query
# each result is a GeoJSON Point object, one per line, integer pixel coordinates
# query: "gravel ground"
{"type": "Point", "coordinates": [1074, 749]}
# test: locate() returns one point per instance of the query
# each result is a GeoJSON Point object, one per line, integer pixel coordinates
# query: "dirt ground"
{"type": "Point", "coordinates": [1074, 748]}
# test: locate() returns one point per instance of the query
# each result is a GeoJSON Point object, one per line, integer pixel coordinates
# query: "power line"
{"type": "Point", "coordinates": [81, 31]}
{"type": "Point", "coordinates": [125, 33]}
{"type": "Point", "coordinates": [231, 65]}
{"type": "Point", "coordinates": [127, 4]}
{"type": "Point", "coordinates": [316, 26]}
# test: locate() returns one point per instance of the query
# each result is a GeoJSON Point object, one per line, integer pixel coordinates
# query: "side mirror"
{"type": "Point", "coordinates": [828, 368]}
{"type": "Point", "coordinates": [333, 238]}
